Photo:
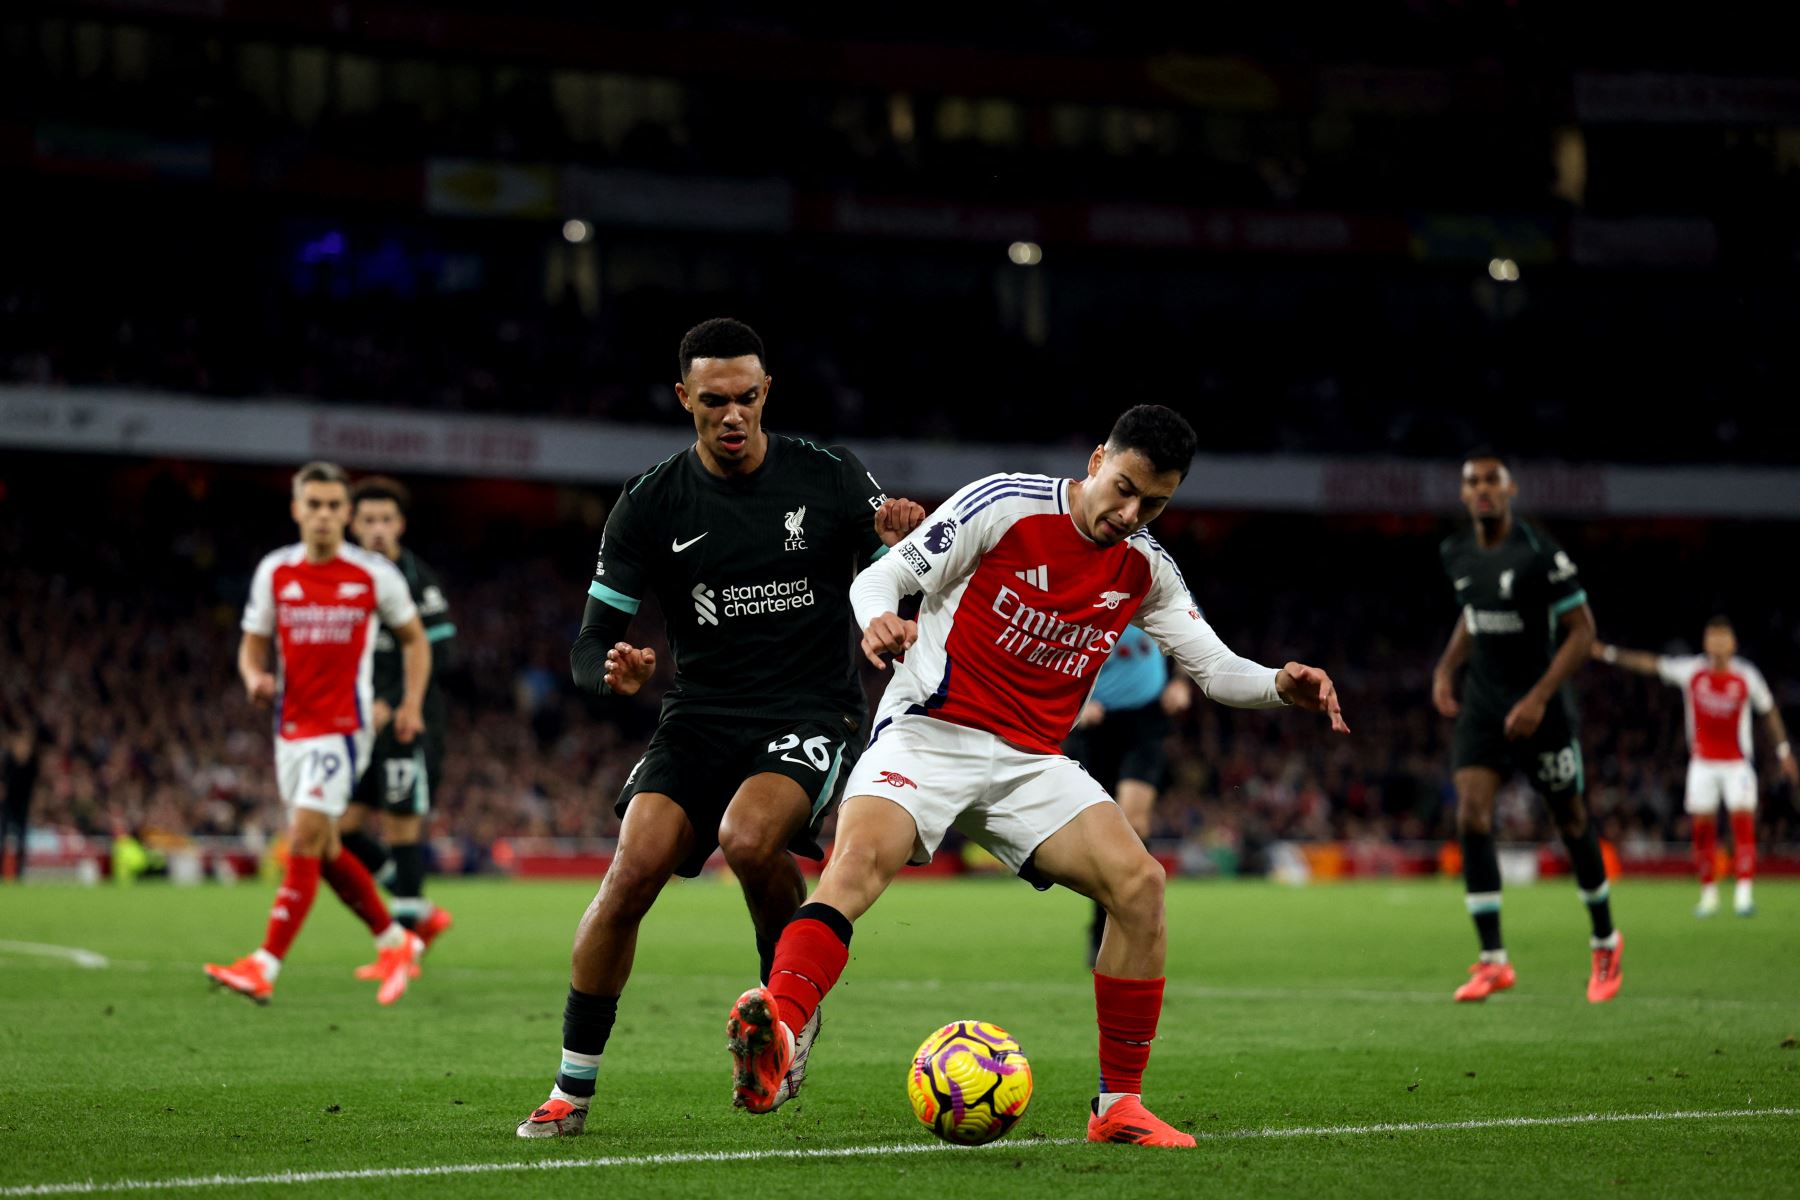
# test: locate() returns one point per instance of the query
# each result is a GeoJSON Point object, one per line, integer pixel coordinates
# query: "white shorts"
{"type": "Point", "coordinates": [1005, 799]}
{"type": "Point", "coordinates": [1709, 782]}
{"type": "Point", "coordinates": [320, 772]}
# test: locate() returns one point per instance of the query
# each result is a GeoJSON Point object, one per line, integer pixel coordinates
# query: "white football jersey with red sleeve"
{"type": "Point", "coordinates": [1021, 609]}
{"type": "Point", "coordinates": [1718, 704]}
{"type": "Point", "coordinates": [322, 618]}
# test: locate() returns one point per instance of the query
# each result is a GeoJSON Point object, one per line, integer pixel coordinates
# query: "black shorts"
{"type": "Point", "coordinates": [401, 779]}
{"type": "Point", "coordinates": [1126, 744]}
{"type": "Point", "coordinates": [700, 760]}
{"type": "Point", "coordinates": [1550, 757]}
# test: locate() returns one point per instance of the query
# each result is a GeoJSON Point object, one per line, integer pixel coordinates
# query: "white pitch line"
{"type": "Point", "coordinates": [90, 1187]}
{"type": "Point", "coordinates": [75, 954]}
{"type": "Point", "coordinates": [1288, 1131]}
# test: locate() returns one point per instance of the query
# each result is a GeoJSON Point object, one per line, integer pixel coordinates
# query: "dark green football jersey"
{"type": "Point", "coordinates": [1513, 598]}
{"type": "Point", "coordinates": [434, 612]}
{"type": "Point", "coordinates": [752, 575]}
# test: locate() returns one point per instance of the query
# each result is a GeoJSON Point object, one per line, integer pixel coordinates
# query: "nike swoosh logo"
{"type": "Point", "coordinates": [678, 547]}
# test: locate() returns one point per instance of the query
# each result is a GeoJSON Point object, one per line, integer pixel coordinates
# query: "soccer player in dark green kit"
{"type": "Point", "coordinates": [1524, 631]}
{"type": "Point", "coordinates": [401, 781]}
{"type": "Point", "coordinates": [749, 541]}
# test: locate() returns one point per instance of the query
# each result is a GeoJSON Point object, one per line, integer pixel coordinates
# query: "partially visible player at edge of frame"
{"type": "Point", "coordinates": [749, 541]}
{"type": "Point", "coordinates": [1118, 739]}
{"type": "Point", "coordinates": [318, 601]}
{"type": "Point", "coordinates": [1524, 631]}
{"type": "Point", "coordinates": [401, 782]}
{"type": "Point", "coordinates": [1718, 691]}
{"type": "Point", "coordinates": [1029, 582]}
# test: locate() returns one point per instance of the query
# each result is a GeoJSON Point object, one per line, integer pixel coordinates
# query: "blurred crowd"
{"type": "Point", "coordinates": [254, 200]}
{"type": "Point", "coordinates": [118, 635]}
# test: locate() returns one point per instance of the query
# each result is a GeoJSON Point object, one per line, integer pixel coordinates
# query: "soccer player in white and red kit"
{"type": "Point", "coordinates": [1719, 691]}
{"type": "Point", "coordinates": [318, 601]}
{"type": "Point", "coordinates": [1028, 583]}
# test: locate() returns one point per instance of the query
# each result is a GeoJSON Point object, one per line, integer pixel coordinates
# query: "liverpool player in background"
{"type": "Point", "coordinates": [1719, 690]}
{"type": "Point", "coordinates": [1029, 582]}
{"type": "Point", "coordinates": [401, 783]}
{"type": "Point", "coordinates": [318, 601]}
{"type": "Point", "coordinates": [1524, 630]}
{"type": "Point", "coordinates": [748, 540]}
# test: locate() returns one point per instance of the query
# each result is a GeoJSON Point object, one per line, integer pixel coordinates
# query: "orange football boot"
{"type": "Point", "coordinates": [1603, 984]}
{"type": "Point", "coordinates": [245, 977]}
{"type": "Point", "coordinates": [1129, 1121]}
{"type": "Point", "coordinates": [398, 966]}
{"type": "Point", "coordinates": [762, 1050]}
{"type": "Point", "coordinates": [554, 1118]}
{"type": "Point", "coordinates": [1485, 979]}
{"type": "Point", "coordinates": [428, 929]}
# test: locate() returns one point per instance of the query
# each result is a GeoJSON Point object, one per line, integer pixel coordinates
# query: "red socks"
{"type": "Point", "coordinates": [1706, 844]}
{"type": "Point", "coordinates": [1743, 844]}
{"type": "Point", "coordinates": [1127, 1010]}
{"type": "Point", "coordinates": [293, 899]}
{"type": "Point", "coordinates": [356, 888]}
{"type": "Point", "coordinates": [808, 960]}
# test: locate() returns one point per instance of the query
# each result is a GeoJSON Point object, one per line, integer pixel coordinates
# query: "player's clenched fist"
{"type": "Point", "coordinates": [1443, 695]}
{"type": "Point", "coordinates": [409, 723]}
{"type": "Point", "coordinates": [1310, 688]}
{"type": "Point", "coordinates": [628, 668]}
{"type": "Point", "coordinates": [896, 518]}
{"type": "Point", "coordinates": [1525, 717]}
{"type": "Point", "coordinates": [260, 687]}
{"type": "Point", "coordinates": [888, 634]}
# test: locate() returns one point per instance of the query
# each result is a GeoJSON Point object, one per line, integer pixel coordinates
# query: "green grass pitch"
{"type": "Point", "coordinates": [1326, 1009]}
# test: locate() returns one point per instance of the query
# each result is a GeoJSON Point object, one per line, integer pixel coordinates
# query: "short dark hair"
{"type": "Point", "coordinates": [721, 337]}
{"type": "Point", "coordinates": [320, 471]}
{"type": "Point", "coordinates": [1489, 453]}
{"type": "Point", "coordinates": [1720, 621]}
{"type": "Point", "coordinates": [1160, 434]}
{"type": "Point", "coordinates": [381, 487]}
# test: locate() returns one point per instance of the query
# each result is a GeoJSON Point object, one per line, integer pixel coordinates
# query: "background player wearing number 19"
{"type": "Point", "coordinates": [749, 541]}
{"type": "Point", "coordinates": [319, 601]}
{"type": "Point", "coordinates": [1524, 631]}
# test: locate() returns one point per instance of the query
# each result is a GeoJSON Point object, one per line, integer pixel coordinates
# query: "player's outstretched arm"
{"type": "Point", "coordinates": [1173, 621]}
{"type": "Point", "coordinates": [253, 668]}
{"type": "Point", "coordinates": [1310, 688]}
{"type": "Point", "coordinates": [1443, 677]}
{"type": "Point", "coordinates": [1640, 661]}
{"type": "Point", "coordinates": [415, 671]}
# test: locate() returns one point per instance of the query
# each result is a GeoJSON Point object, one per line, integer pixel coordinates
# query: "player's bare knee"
{"type": "Point", "coordinates": [627, 892]}
{"type": "Point", "coordinates": [1135, 893]}
{"type": "Point", "coordinates": [1572, 825]}
{"type": "Point", "coordinates": [310, 833]}
{"type": "Point", "coordinates": [752, 847]}
{"type": "Point", "coordinates": [1474, 818]}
